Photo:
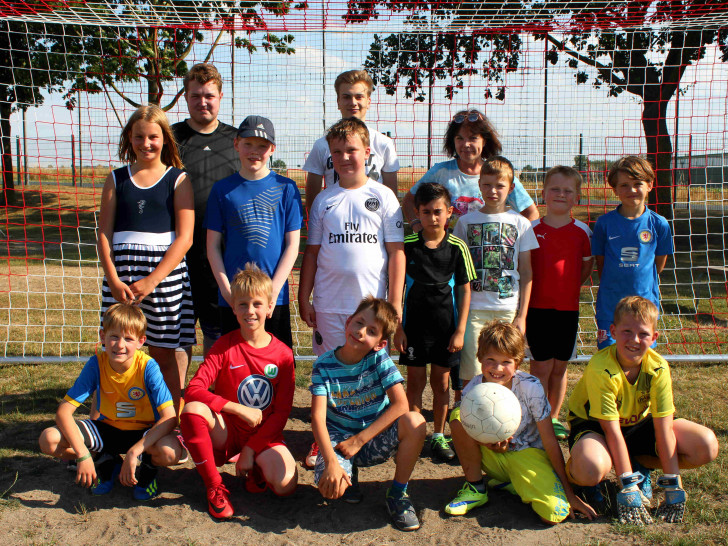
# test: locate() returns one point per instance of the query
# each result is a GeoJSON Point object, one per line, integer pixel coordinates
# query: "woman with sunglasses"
{"type": "Point", "coordinates": [470, 139]}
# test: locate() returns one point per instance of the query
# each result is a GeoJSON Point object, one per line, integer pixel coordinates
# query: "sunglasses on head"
{"type": "Point", "coordinates": [471, 116]}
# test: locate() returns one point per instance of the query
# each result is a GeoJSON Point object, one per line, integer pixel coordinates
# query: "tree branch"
{"type": "Point", "coordinates": [108, 96]}
{"type": "Point", "coordinates": [605, 71]}
{"type": "Point", "coordinates": [174, 100]}
{"type": "Point", "coordinates": [123, 96]}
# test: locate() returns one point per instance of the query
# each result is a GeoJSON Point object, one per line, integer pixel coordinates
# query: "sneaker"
{"type": "Point", "coordinates": [467, 498]}
{"type": "Point", "coordinates": [562, 433]}
{"type": "Point", "coordinates": [310, 460]}
{"type": "Point", "coordinates": [218, 502]}
{"type": "Point", "coordinates": [255, 482]}
{"type": "Point", "coordinates": [402, 512]}
{"type": "Point", "coordinates": [353, 494]}
{"type": "Point", "coordinates": [146, 493]}
{"type": "Point", "coordinates": [441, 449]}
{"type": "Point", "coordinates": [105, 487]}
{"type": "Point", "coordinates": [646, 484]}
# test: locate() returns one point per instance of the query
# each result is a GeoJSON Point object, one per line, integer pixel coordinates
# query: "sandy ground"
{"type": "Point", "coordinates": [51, 509]}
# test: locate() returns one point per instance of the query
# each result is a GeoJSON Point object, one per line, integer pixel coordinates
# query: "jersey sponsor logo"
{"type": "Point", "coordinates": [271, 371]}
{"type": "Point", "coordinates": [627, 422]}
{"type": "Point", "coordinates": [629, 256]}
{"type": "Point", "coordinates": [372, 204]}
{"type": "Point", "coordinates": [136, 393]}
{"type": "Point", "coordinates": [255, 391]}
{"type": "Point", "coordinates": [352, 234]}
{"type": "Point", "coordinates": [125, 410]}
{"type": "Point", "coordinates": [141, 204]}
{"type": "Point", "coordinates": [645, 236]}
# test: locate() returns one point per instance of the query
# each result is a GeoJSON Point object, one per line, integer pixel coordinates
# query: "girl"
{"type": "Point", "coordinates": [145, 229]}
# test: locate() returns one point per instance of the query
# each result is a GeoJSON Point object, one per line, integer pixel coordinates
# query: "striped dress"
{"type": "Point", "coordinates": [144, 228]}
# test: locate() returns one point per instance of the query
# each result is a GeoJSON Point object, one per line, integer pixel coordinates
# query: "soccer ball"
{"type": "Point", "coordinates": [490, 413]}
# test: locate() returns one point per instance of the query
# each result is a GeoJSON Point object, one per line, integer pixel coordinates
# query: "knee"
{"type": "Point", "coordinates": [194, 408]}
{"type": "Point", "coordinates": [705, 451]}
{"type": "Point", "coordinates": [163, 455]}
{"type": "Point", "coordinates": [412, 423]}
{"type": "Point", "coordinates": [287, 486]}
{"type": "Point", "coordinates": [586, 471]}
{"type": "Point", "coordinates": [48, 440]}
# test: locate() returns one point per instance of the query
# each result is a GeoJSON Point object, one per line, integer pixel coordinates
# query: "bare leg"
{"type": "Point", "coordinates": [167, 360]}
{"type": "Point", "coordinates": [557, 387]}
{"type": "Point", "coordinates": [416, 381]}
{"type": "Point", "coordinates": [590, 461]}
{"type": "Point", "coordinates": [411, 432]}
{"type": "Point", "coordinates": [696, 446]}
{"type": "Point", "coordinates": [468, 452]}
{"type": "Point", "coordinates": [440, 384]}
{"type": "Point", "coordinates": [279, 469]}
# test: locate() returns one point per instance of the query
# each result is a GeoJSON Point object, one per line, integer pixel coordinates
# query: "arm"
{"type": "Point", "coordinates": [530, 212]}
{"type": "Point", "coordinates": [666, 444]}
{"type": "Point", "coordinates": [409, 211]}
{"type": "Point", "coordinates": [398, 406]}
{"type": "Point", "coordinates": [660, 262]}
{"type": "Point", "coordinates": [390, 180]}
{"type": "Point", "coordinates": [107, 217]}
{"type": "Point", "coordinates": [164, 426]}
{"type": "Point", "coordinates": [396, 267]}
{"type": "Point", "coordinates": [184, 215]}
{"type": "Point", "coordinates": [314, 182]}
{"type": "Point", "coordinates": [617, 447]}
{"type": "Point", "coordinates": [553, 451]}
{"type": "Point", "coordinates": [305, 287]}
{"type": "Point", "coordinates": [587, 266]}
{"type": "Point", "coordinates": [86, 470]}
{"type": "Point", "coordinates": [456, 341]}
{"type": "Point", "coordinates": [334, 480]}
{"type": "Point", "coordinates": [524, 296]}
{"type": "Point", "coordinates": [217, 264]}
{"type": "Point", "coordinates": [285, 264]}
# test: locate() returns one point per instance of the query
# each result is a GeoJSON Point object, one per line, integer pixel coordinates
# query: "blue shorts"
{"type": "Point", "coordinates": [376, 451]}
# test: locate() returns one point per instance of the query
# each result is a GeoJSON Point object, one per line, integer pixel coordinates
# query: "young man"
{"type": "Point", "coordinates": [353, 97]}
{"type": "Point", "coordinates": [359, 413]}
{"type": "Point", "coordinates": [135, 414]}
{"type": "Point", "coordinates": [253, 377]}
{"type": "Point", "coordinates": [621, 414]}
{"type": "Point", "coordinates": [206, 148]}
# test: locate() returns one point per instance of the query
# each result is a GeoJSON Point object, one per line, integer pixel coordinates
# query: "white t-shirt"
{"type": "Point", "coordinates": [535, 407]}
{"type": "Point", "coordinates": [382, 158]}
{"type": "Point", "coordinates": [352, 226]}
{"type": "Point", "coordinates": [495, 241]}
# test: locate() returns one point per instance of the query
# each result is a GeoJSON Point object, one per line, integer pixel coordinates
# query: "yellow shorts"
{"type": "Point", "coordinates": [477, 318]}
{"type": "Point", "coordinates": [532, 476]}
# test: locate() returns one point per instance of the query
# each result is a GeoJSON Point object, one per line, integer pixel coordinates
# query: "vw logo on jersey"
{"type": "Point", "coordinates": [136, 393]}
{"type": "Point", "coordinates": [255, 391]}
{"type": "Point", "coordinates": [645, 236]}
{"type": "Point", "coordinates": [372, 204]}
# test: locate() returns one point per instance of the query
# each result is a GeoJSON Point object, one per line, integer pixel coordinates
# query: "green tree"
{"type": "Point", "coordinates": [279, 166]}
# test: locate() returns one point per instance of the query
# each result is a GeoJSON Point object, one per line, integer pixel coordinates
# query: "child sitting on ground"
{"type": "Point", "coordinates": [621, 414]}
{"type": "Point", "coordinates": [253, 377]}
{"type": "Point", "coordinates": [136, 413]}
{"type": "Point", "coordinates": [531, 460]}
{"type": "Point", "coordinates": [359, 413]}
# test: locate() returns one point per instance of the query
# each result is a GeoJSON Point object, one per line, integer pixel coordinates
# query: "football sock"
{"type": "Point", "coordinates": [146, 471]}
{"type": "Point", "coordinates": [198, 442]}
{"type": "Point", "coordinates": [437, 435]}
{"type": "Point", "coordinates": [105, 466]}
{"type": "Point", "coordinates": [397, 490]}
{"type": "Point", "coordinates": [479, 486]}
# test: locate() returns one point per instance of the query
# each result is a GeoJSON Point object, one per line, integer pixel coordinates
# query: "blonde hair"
{"type": "Point", "coordinates": [151, 113]}
{"type": "Point", "coordinates": [203, 73]}
{"type": "Point", "coordinates": [633, 166]}
{"type": "Point", "coordinates": [252, 280]}
{"type": "Point", "coordinates": [638, 307]}
{"type": "Point", "coordinates": [568, 172]}
{"type": "Point", "coordinates": [384, 314]}
{"type": "Point", "coordinates": [127, 318]}
{"type": "Point", "coordinates": [504, 338]}
{"type": "Point", "coordinates": [344, 128]}
{"type": "Point", "coordinates": [351, 77]}
{"type": "Point", "coordinates": [498, 166]}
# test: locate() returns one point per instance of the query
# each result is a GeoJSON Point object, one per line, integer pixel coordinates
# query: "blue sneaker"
{"type": "Point", "coordinates": [646, 484]}
{"type": "Point", "coordinates": [146, 493]}
{"type": "Point", "coordinates": [105, 487]}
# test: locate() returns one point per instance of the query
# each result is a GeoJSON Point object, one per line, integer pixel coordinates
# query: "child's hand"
{"type": "Point", "coordinates": [630, 503]}
{"type": "Point", "coordinates": [86, 473]}
{"type": "Point", "coordinates": [334, 481]}
{"type": "Point", "coordinates": [128, 468]}
{"type": "Point", "coordinates": [672, 509]}
{"type": "Point", "coordinates": [252, 416]}
{"type": "Point", "coordinates": [121, 292]}
{"type": "Point", "coordinates": [308, 313]}
{"type": "Point", "coordinates": [499, 447]}
{"type": "Point", "coordinates": [349, 447]}
{"type": "Point", "coordinates": [142, 288]}
{"type": "Point", "coordinates": [580, 506]}
{"type": "Point", "coordinates": [245, 461]}
{"type": "Point", "coordinates": [520, 323]}
{"type": "Point", "coordinates": [400, 339]}
{"type": "Point", "coordinates": [456, 342]}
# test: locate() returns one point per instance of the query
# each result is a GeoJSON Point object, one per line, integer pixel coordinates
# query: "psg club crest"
{"type": "Point", "coordinates": [255, 391]}
{"type": "Point", "coordinates": [136, 393]}
{"type": "Point", "coordinates": [372, 204]}
{"type": "Point", "coordinates": [645, 236]}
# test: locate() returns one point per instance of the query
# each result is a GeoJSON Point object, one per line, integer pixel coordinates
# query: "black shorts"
{"type": "Point", "coordinates": [279, 324]}
{"type": "Point", "coordinates": [421, 352]}
{"type": "Point", "coordinates": [204, 290]}
{"type": "Point", "coordinates": [551, 333]}
{"type": "Point", "coordinates": [102, 437]}
{"type": "Point", "coordinates": [640, 438]}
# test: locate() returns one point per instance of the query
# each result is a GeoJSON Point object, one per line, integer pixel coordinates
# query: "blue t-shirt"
{"type": "Point", "coordinates": [629, 248]}
{"type": "Point", "coordinates": [254, 217]}
{"type": "Point", "coordinates": [465, 190]}
{"type": "Point", "coordinates": [355, 395]}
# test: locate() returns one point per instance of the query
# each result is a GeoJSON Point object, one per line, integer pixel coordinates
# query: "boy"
{"type": "Point", "coordinates": [630, 244]}
{"type": "Point", "coordinates": [353, 98]}
{"type": "Point", "coordinates": [531, 460]}
{"type": "Point", "coordinates": [135, 413]}
{"type": "Point", "coordinates": [256, 216]}
{"type": "Point", "coordinates": [621, 414]}
{"type": "Point", "coordinates": [253, 377]}
{"type": "Point", "coordinates": [359, 413]}
{"type": "Point", "coordinates": [561, 264]}
{"type": "Point", "coordinates": [438, 266]}
{"type": "Point", "coordinates": [500, 242]}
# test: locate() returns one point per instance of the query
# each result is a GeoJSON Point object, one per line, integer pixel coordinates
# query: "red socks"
{"type": "Point", "coordinates": [197, 439]}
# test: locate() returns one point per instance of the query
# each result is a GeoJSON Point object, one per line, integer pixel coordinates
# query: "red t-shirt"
{"type": "Point", "coordinates": [258, 378]}
{"type": "Point", "coordinates": [556, 265]}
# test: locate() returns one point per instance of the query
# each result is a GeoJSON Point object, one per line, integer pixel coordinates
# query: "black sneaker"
{"type": "Point", "coordinates": [402, 512]}
{"type": "Point", "coordinates": [441, 449]}
{"type": "Point", "coordinates": [353, 494]}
